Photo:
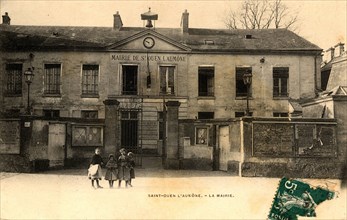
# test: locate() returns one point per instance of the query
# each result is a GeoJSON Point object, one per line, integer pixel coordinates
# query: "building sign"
{"type": "Point", "coordinates": [9, 137]}
{"type": "Point", "coordinates": [87, 135]}
{"type": "Point", "coordinates": [273, 140]}
{"type": "Point", "coordinates": [151, 58]}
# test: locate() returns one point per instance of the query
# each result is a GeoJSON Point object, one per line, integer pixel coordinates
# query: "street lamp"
{"type": "Point", "coordinates": [247, 80]}
{"type": "Point", "coordinates": [29, 76]}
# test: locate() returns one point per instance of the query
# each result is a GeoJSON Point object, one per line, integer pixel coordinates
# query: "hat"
{"type": "Point", "coordinates": [111, 155]}
{"type": "Point", "coordinates": [130, 154]}
{"type": "Point", "coordinates": [122, 150]}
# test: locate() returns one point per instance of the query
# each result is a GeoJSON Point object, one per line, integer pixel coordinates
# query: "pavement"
{"type": "Point", "coordinates": [156, 194]}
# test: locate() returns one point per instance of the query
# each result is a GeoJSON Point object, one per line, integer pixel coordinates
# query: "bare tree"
{"type": "Point", "coordinates": [261, 14]}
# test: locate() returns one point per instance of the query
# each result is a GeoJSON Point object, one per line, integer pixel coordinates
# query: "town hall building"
{"type": "Point", "coordinates": [88, 76]}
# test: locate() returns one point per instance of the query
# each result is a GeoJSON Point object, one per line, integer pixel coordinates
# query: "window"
{"type": "Point", "coordinates": [242, 114]}
{"type": "Point", "coordinates": [14, 79]}
{"type": "Point", "coordinates": [280, 114]}
{"type": "Point", "coordinates": [167, 80]}
{"type": "Point", "coordinates": [12, 113]}
{"type": "Point", "coordinates": [52, 79]}
{"type": "Point", "coordinates": [89, 114]}
{"type": "Point", "coordinates": [206, 81]}
{"type": "Point", "coordinates": [129, 75]}
{"type": "Point", "coordinates": [280, 81]}
{"type": "Point", "coordinates": [241, 88]}
{"type": "Point", "coordinates": [201, 136]}
{"type": "Point", "coordinates": [90, 79]}
{"type": "Point", "coordinates": [161, 125]}
{"type": "Point", "coordinates": [51, 113]}
{"type": "Point", "coordinates": [205, 115]}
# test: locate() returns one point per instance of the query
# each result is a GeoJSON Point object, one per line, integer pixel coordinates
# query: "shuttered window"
{"type": "Point", "coordinates": [14, 79]}
{"type": "Point", "coordinates": [90, 80]}
{"type": "Point", "coordinates": [52, 79]}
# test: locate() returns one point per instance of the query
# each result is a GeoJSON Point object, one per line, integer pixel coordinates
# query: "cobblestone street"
{"type": "Point", "coordinates": [157, 194]}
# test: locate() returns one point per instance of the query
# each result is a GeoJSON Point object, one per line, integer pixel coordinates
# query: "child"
{"type": "Point", "coordinates": [95, 171]}
{"type": "Point", "coordinates": [131, 165]}
{"type": "Point", "coordinates": [111, 173]}
{"type": "Point", "coordinates": [123, 168]}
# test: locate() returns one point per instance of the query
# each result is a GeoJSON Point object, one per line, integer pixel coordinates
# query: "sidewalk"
{"type": "Point", "coordinates": [157, 194]}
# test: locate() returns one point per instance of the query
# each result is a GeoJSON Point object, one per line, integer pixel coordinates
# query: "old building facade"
{"type": "Point", "coordinates": [128, 73]}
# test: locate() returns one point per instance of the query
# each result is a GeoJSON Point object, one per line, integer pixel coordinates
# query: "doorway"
{"type": "Point", "coordinates": [56, 144]}
{"type": "Point", "coordinates": [224, 145]}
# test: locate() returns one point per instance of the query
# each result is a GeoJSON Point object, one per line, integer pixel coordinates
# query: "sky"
{"type": "Point", "coordinates": [322, 22]}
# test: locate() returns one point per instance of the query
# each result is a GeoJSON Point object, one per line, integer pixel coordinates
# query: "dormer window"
{"type": "Point", "coordinates": [209, 42]}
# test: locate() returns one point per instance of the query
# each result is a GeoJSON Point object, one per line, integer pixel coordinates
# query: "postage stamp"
{"type": "Point", "coordinates": [296, 198]}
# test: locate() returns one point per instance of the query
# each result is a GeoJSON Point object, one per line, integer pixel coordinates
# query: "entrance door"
{"type": "Point", "coordinates": [130, 133]}
{"type": "Point", "coordinates": [56, 144]}
{"type": "Point", "coordinates": [224, 145]}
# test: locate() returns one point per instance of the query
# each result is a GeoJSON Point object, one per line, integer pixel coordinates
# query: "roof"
{"type": "Point", "coordinates": [17, 37]}
{"type": "Point", "coordinates": [338, 90]}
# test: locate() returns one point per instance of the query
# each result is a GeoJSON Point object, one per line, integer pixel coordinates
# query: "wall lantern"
{"type": "Point", "coordinates": [247, 80]}
{"type": "Point", "coordinates": [29, 76]}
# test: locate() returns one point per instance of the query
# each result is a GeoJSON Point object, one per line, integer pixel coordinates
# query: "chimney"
{"type": "Point", "coordinates": [330, 54]}
{"type": "Point", "coordinates": [6, 19]}
{"type": "Point", "coordinates": [117, 21]}
{"type": "Point", "coordinates": [185, 22]}
{"type": "Point", "coordinates": [339, 49]}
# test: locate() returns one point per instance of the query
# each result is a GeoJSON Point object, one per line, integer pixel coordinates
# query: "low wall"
{"type": "Point", "coordinates": [197, 158]}
{"type": "Point", "coordinates": [302, 148]}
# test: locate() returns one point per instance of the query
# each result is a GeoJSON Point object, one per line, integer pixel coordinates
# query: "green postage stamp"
{"type": "Point", "coordinates": [294, 197]}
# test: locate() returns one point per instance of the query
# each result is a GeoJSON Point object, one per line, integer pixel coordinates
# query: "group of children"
{"type": "Point", "coordinates": [119, 169]}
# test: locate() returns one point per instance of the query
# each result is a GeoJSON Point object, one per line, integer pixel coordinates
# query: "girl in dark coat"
{"type": "Point", "coordinates": [111, 173]}
{"type": "Point", "coordinates": [123, 168]}
{"type": "Point", "coordinates": [131, 160]}
{"type": "Point", "coordinates": [95, 171]}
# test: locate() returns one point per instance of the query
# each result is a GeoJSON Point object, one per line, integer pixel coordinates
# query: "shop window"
{"type": "Point", "coordinates": [201, 135]}
{"type": "Point", "coordinates": [205, 115]}
{"type": "Point", "coordinates": [90, 79]}
{"type": "Point", "coordinates": [206, 81]}
{"type": "Point", "coordinates": [129, 76]}
{"type": "Point", "coordinates": [280, 81]}
{"type": "Point", "coordinates": [51, 113]}
{"type": "Point", "coordinates": [241, 88]}
{"type": "Point", "coordinates": [89, 114]}
{"type": "Point", "coordinates": [167, 80]}
{"type": "Point", "coordinates": [52, 79]}
{"type": "Point", "coordinates": [14, 79]}
{"type": "Point", "coordinates": [280, 114]}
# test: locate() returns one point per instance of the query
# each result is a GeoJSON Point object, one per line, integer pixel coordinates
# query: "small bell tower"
{"type": "Point", "coordinates": [149, 17]}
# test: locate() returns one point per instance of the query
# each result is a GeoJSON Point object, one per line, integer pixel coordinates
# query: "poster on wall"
{"type": "Point", "coordinates": [9, 137]}
{"type": "Point", "coordinates": [87, 135]}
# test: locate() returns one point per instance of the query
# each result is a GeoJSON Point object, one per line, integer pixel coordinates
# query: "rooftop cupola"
{"type": "Point", "coordinates": [149, 16]}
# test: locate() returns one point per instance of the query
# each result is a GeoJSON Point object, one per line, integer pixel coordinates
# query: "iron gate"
{"type": "Point", "coordinates": [130, 132]}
